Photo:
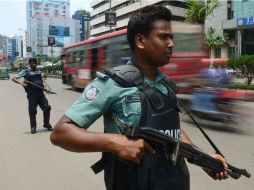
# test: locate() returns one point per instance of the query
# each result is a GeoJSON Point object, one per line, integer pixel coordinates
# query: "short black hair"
{"type": "Point", "coordinates": [141, 21]}
{"type": "Point", "coordinates": [32, 60]}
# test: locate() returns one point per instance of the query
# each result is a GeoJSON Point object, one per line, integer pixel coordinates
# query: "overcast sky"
{"type": "Point", "coordinates": [13, 15]}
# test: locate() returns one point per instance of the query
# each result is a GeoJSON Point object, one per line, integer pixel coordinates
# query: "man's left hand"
{"type": "Point", "coordinates": [218, 175]}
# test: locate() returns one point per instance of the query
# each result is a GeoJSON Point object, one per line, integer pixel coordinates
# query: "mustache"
{"type": "Point", "coordinates": [169, 51]}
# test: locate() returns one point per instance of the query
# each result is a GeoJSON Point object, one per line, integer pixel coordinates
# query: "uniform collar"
{"type": "Point", "coordinates": [158, 77]}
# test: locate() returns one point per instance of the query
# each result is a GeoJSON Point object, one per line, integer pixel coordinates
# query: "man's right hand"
{"type": "Point", "coordinates": [131, 149]}
{"type": "Point", "coordinates": [23, 84]}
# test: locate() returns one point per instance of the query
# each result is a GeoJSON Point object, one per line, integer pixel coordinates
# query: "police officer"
{"type": "Point", "coordinates": [146, 98]}
{"type": "Point", "coordinates": [35, 95]}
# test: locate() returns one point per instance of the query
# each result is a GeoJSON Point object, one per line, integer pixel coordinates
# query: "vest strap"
{"type": "Point", "coordinates": [125, 75]}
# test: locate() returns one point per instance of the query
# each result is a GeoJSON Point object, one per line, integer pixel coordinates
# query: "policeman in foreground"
{"type": "Point", "coordinates": [136, 95]}
{"type": "Point", "coordinates": [35, 95]}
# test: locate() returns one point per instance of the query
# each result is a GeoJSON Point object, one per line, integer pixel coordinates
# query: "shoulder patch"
{"type": "Point", "coordinates": [91, 93]}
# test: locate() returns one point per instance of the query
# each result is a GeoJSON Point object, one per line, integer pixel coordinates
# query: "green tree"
{"type": "Point", "coordinates": [83, 12]}
{"type": "Point", "coordinates": [214, 40]}
{"type": "Point", "coordinates": [245, 64]}
{"type": "Point", "coordinates": [198, 11]}
{"type": "Point", "coordinates": [39, 58]}
{"type": "Point", "coordinates": [52, 59]}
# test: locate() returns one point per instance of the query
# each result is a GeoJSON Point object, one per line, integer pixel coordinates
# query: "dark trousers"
{"type": "Point", "coordinates": [35, 99]}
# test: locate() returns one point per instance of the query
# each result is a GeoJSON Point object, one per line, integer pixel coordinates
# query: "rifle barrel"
{"type": "Point", "coordinates": [192, 154]}
{"type": "Point", "coordinates": [40, 87]}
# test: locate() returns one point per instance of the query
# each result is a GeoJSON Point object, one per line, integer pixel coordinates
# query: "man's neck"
{"type": "Point", "coordinates": [146, 68]}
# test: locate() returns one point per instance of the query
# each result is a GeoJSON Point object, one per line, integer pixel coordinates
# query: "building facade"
{"type": "Point", "coordinates": [14, 48]}
{"type": "Point", "coordinates": [19, 54]}
{"type": "Point", "coordinates": [3, 49]}
{"type": "Point", "coordinates": [11, 49]}
{"type": "Point", "coordinates": [24, 45]}
{"type": "Point", "coordinates": [236, 18]}
{"type": "Point", "coordinates": [84, 22]}
{"type": "Point", "coordinates": [64, 30]}
{"type": "Point", "coordinates": [46, 19]}
{"type": "Point", "coordinates": [123, 10]}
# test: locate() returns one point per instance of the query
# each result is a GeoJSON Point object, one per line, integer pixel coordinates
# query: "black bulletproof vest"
{"type": "Point", "coordinates": [160, 112]}
{"type": "Point", "coordinates": [35, 77]}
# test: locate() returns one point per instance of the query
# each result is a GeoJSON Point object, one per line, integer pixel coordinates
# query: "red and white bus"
{"type": "Point", "coordinates": [83, 59]}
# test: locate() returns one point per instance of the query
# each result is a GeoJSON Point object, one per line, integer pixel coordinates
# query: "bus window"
{"type": "Point", "coordinates": [94, 62]}
{"type": "Point", "coordinates": [113, 53]}
{"type": "Point", "coordinates": [77, 60]}
{"type": "Point", "coordinates": [72, 59]}
{"type": "Point", "coordinates": [83, 58]}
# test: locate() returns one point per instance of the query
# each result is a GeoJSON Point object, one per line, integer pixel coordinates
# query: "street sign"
{"type": "Point", "coordinates": [51, 40]}
{"type": "Point", "coordinates": [86, 18]}
{"type": "Point", "coordinates": [29, 49]}
{"type": "Point", "coordinates": [110, 18]}
{"type": "Point", "coordinates": [245, 21]}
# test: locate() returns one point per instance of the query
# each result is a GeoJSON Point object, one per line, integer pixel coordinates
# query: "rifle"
{"type": "Point", "coordinates": [192, 154]}
{"type": "Point", "coordinates": [40, 87]}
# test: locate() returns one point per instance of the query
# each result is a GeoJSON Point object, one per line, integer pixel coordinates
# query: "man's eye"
{"type": "Point", "coordinates": [165, 37]}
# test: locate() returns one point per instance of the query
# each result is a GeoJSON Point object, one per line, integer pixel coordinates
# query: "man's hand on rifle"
{"type": "Point", "coordinates": [131, 149]}
{"type": "Point", "coordinates": [218, 175]}
{"type": "Point", "coordinates": [47, 90]}
{"type": "Point", "coordinates": [14, 79]}
{"type": "Point", "coordinates": [24, 84]}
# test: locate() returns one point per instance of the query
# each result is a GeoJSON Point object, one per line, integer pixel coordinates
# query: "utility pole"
{"type": "Point", "coordinates": [110, 18]}
{"type": "Point", "coordinates": [110, 11]}
{"type": "Point", "coordinates": [51, 52]}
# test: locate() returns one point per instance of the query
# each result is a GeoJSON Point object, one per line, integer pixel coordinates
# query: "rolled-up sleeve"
{"type": "Point", "coordinates": [93, 103]}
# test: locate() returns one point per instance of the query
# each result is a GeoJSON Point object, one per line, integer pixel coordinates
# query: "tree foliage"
{"type": "Point", "coordinates": [245, 64]}
{"type": "Point", "coordinates": [198, 11]}
{"type": "Point", "coordinates": [214, 40]}
{"type": "Point", "coordinates": [83, 12]}
{"type": "Point", "coordinates": [41, 58]}
{"type": "Point", "coordinates": [18, 65]}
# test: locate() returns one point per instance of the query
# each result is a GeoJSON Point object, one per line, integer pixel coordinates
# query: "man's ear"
{"type": "Point", "coordinates": [139, 40]}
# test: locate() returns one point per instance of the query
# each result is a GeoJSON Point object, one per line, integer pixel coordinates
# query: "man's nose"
{"type": "Point", "coordinates": [170, 43]}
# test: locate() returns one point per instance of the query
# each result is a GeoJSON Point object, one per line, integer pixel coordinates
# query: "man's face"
{"type": "Point", "coordinates": [158, 44]}
{"type": "Point", "coordinates": [33, 65]}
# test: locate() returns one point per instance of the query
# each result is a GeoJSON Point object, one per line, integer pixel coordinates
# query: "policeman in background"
{"type": "Point", "coordinates": [150, 101]}
{"type": "Point", "coordinates": [35, 95]}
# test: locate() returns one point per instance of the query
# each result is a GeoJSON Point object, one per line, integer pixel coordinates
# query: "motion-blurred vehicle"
{"type": "Point", "coordinates": [4, 73]}
{"type": "Point", "coordinates": [208, 105]}
{"type": "Point", "coordinates": [217, 107]}
{"type": "Point", "coordinates": [81, 60]}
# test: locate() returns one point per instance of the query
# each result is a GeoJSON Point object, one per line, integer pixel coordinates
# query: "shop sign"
{"type": "Point", "coordinates": [245, 21]}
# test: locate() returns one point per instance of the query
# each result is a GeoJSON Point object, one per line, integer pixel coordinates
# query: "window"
{"type": "Point", "coordinates": [231, 52]}
{"type": "Point", "coordinates": [217, 52]}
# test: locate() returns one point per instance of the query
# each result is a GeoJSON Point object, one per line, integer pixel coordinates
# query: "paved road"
{"type": "Point", "coordinates": [31, 162]}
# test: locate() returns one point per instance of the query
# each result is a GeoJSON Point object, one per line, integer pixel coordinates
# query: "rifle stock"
{"type": "Point", "coordinates": [192, 154]}
{"type": "Point", "coordinates": [40, 87]}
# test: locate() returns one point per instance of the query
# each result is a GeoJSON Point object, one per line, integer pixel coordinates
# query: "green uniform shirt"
{"type": "Point", "coordinates": [103, 96]}
{"type": "Point", "coordinates": [21, 74]}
